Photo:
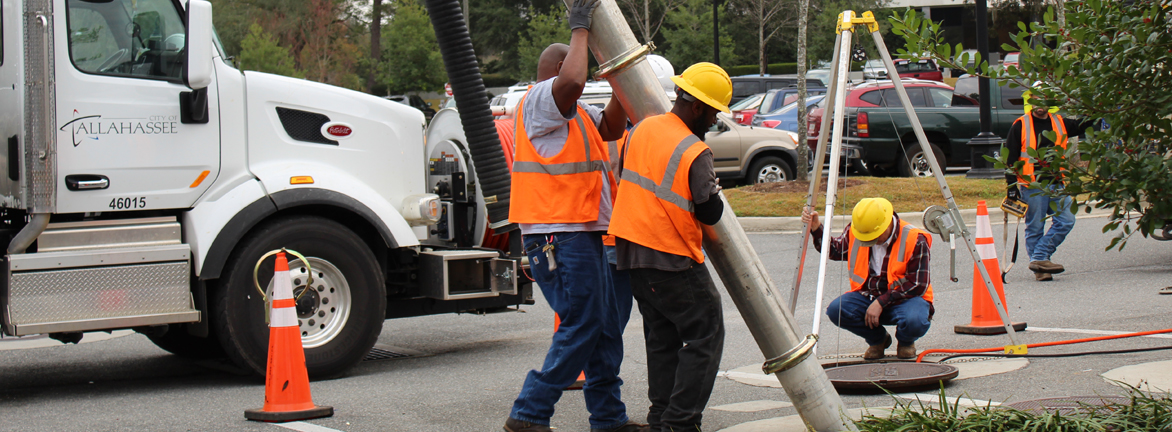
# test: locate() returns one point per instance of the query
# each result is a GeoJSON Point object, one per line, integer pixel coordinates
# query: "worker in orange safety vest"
{"type": "Point", "coordinates": [667, 188]}
{"type": "Point", "coordinates": [888, 261]}
{"type": "Point", "coordinates": [561, 196]}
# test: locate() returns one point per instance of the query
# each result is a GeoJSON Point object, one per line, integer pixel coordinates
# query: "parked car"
{"type": "Point", "coordinates": [785, 118]}
{"type": "Point", "coordinates": [1011, 59]}
{"type": "Point", "coordinates": [924, 69]}
{"type": "Point", "coordinates": [778, 98]}
{"type": "Point", "coordinates": [744, 110]}
{"type": "Point", "coordinates": [820, 74]}
{"type": "Point", "coordinates": [876, 121]}
{"type": "Point", "coordinates": [748, 85]}
{"type": "Point", "coordinates": [415, 102]}
{"type": "Point", "coordinates": [874, 70]}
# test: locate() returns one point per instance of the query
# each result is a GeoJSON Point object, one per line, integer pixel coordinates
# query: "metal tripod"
{"type": "Point", "coordinates": [944, 222]}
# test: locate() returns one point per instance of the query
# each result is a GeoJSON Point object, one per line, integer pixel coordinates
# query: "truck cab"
{"type": "Point", "coordinates": [148, 179]}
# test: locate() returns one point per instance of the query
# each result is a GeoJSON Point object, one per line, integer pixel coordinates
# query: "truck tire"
{"type": "Point", "coordinates": [177, 341]}
{"type": "Point", "coordinates": [915, 164]}
{"type": "Point", "coordinates": [769, 169]}
{"type": "Point", "coordinates": [340, 319]}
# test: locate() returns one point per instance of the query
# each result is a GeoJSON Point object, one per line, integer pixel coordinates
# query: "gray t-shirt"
{"type": "Point", "coordinates": [702, 181]}
{"type": "Point", "coordinates": [548, 130]}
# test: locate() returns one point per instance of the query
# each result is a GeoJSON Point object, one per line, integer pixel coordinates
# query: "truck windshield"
{"type": "Point", "coordinates": [136, 38]}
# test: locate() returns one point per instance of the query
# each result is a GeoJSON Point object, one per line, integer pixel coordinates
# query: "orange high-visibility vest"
{"type": "Point", "coordinates": [654, 206]}
{"type": "Point", "coordinates": [564, 188]}
{"type": "Point", "coordinates": [614, 148]}
{"type": "Point", "coordinates": [859, 260]}
{"type": "Point", "coordinates": [1030, 141]}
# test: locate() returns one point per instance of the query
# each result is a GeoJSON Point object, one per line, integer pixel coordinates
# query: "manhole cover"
{"type": "Point", "coordinates": [890, 376]}
{"type": "Point", "coordinates": [1069, 405]}
{"type": "Point", "coordinates": [386, 352]}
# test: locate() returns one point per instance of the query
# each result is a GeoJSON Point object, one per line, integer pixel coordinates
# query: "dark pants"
{"type": "Point", "coordinates": [684, 329]}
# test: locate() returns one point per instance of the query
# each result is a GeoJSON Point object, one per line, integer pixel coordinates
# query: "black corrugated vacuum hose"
{"type": "Point", "coordinates": [472, 101]}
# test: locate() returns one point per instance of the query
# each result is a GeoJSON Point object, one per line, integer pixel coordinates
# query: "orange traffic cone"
{"type": "Point", "coordinates": [286, 380]}
{"type": "Point", "coordinates": [986, 320]}
{"type": "Point", "coordinates": [577, 385]}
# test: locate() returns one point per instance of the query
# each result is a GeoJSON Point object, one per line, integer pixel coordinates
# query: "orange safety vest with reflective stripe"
{"type": "Point", "coordinates": [1030, 141]}
{"type": "Point", "coordinates": [614, 148]}
{"type": "Point", "coordinates": [654, 206]}
{"type": "Point", "coordinates": [859, 260]}
{"type": "Point", "coordinates": [563, 188]}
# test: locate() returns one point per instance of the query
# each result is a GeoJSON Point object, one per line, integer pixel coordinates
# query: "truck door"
{"type": "Point", "coordinates": [122, 143]}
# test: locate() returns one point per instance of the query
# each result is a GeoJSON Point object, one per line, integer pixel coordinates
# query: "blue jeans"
{"type": "Point", "coordinates": [622, 288]}
{"type": "Point", "coordinates": [589, 339]}
{"type": "Point", "coordinates": [910, 318]}
{"type": "Point", "coordinates": [1040, 246]}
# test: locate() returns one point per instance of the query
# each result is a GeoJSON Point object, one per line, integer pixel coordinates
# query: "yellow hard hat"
{"type": "Point", "coordinates": [708, 83]}
{"type": "Point", "coordinates": [1027, 98]}
{"type": "Point", "coordinates": [871, 218]}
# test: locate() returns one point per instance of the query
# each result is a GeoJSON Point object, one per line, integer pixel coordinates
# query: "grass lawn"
{"type": "Point", "coordinates": [905, 194]}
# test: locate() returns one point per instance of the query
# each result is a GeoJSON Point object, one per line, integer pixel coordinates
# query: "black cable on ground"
{"type": "Point", "coordinates": [1073, 354]}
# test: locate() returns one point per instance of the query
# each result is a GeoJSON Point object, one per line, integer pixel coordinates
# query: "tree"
{"type": "Point", "coordinates": [376, 27]}
{"type": "Point", "coordinates": [260, 52]}
{"type": "Point", "coordinates": [544, 29]}
{"type": "Point", "coordinates": [822, 29]}
{"type": "Point", "coordinates": [413, 61]}
{"type": "Point", "coordinates": [768, 17]}
{"type": "Point", "coordinates": [648, 20]}
{"type": "Point", "coordinates": [802, 147]}
{"type": "Point", "coordinates": [689, 35]}
{"type": "Point", "coordinates": [1112, 60]}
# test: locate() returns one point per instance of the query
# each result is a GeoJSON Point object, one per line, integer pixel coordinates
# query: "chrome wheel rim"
{"type": "Point", "coordinates": [920, 165]}
{"type": "Point", "coordinates": [322, 312]}
{"type": "Point", "coordinates": [770, 174]}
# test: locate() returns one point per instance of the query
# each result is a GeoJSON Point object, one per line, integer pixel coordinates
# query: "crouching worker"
{"type": "Point", "coordinates": [888, 263]}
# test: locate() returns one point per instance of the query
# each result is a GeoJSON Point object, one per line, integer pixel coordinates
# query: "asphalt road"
{"type": "Point", "coordinates": [468, 368]}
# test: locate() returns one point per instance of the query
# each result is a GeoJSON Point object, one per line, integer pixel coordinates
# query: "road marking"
{"type": "Point", "coordinates": [305, 427]}
{"type": "Point", "coordinates": [1094, 332]}
{"type": "Point", "coordinates": [952, 401]}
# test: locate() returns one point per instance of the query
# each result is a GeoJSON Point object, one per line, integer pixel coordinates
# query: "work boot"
{"type": "Point", "coordinates": [905, 351]}
{"type": "Point", "coordinates": [875, 352]}
{"type": "Point", "coordinates": [1042, 277]}
{"type": "Point", "coordinates": [514, 425]}
{"type": "Point", "coordinates": [631, 426]}
{"type": "Point", "coordinates": [1046, 266]}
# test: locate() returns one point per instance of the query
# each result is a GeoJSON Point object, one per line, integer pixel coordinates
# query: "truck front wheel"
{"type": "Point", "coordinates": [340, 314]}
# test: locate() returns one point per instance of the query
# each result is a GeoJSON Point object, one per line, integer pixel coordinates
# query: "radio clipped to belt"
{"type": "Point", "coordinates": [1016, 207]}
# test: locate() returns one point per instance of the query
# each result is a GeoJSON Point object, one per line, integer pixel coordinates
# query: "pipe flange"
{"type": "Point", "coordinates": [792, 357]}
{"type": "Point", "coordinates": [623, 61]}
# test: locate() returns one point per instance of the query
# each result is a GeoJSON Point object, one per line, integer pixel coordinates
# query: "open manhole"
{"type": "Point", "coordinates": [387, 352]}
{"type": "Point", "coordinates": [890, 376]}
{"type": "Point", "coordinates": [1070, 405]}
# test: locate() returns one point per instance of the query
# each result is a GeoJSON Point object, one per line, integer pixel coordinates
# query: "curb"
{"type": "Point", "coordinates": [791, 223]}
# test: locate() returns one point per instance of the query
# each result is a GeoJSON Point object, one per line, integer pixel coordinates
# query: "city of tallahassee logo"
{"type": "Point", "coordinates": [92, 127]}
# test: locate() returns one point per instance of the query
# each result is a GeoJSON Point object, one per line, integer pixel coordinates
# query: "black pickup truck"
{"type": "Point", "coordinates": [951, 117]}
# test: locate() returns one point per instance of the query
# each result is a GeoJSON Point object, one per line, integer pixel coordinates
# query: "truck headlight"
{"type": "Point", "coordinates": [421, 209]}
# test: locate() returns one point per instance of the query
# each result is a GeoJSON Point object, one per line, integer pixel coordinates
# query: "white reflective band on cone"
{"type": "Point", "coordinates": [986, 251]}
{"type": "Point", "coordinates": [282, 286]}
{"type": "Point", "coordinates": [984, 228]}
{"type": "Point", "coordinates": [284, 317]}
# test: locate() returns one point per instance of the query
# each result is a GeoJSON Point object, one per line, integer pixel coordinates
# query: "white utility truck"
{"type": "Point", "coordinates": [145, 176]}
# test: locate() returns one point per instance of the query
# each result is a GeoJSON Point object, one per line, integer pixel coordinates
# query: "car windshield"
{"type": "Point", "coordinates": [876, 63]}
{"type": "Point", "coordinates": [748, 103]}
{"type": "Point", "coordinates": [1011, 57]}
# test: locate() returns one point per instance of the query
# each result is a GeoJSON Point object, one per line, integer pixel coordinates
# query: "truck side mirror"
{"type": "Point", "coordinates": [197, 70]}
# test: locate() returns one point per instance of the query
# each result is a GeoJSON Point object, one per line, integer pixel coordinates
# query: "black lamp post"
{"type": "Point", "coordinates": [985, 143]}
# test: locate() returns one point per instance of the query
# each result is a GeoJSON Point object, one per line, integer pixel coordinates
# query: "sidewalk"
{"type": "Point", "coordinates": [794, 224]}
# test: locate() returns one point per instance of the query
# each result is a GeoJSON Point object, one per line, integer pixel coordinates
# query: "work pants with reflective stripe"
{"type": "Point", "coordinates": [589, 339]}
{"type": "Point", "coordinates": [683, 325]}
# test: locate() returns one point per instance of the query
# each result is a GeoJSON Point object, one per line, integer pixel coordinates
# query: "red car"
{"type": "Point", "coordinates": [924, 69]}
{"type": "Point", "coordinates": [744, 110]}
{"type": "Point", "coordinates": [868, 94]}
{"type": "Point", "coordinates": [1011, 59]}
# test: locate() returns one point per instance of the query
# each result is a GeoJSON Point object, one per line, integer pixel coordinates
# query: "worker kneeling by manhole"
{"type": "Point", "coordinates": [889, 376]}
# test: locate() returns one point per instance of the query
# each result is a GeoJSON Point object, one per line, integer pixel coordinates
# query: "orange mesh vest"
{"type": "Point", "coordinates": [564, 188]}
{"type": "Point", "coordinates": [1030, 141]}
{"type": "Point", "coordinates": [654, 205]}
{"type": "Point", "coordinates": [614, 149]}
{"type": "Point", "coordinates": [859, 260]}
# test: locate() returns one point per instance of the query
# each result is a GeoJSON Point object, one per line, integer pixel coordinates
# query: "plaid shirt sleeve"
{"type": "Point", "coordinates": [838, 249]}
{"type": "Point", "coordinates": [916, 279]}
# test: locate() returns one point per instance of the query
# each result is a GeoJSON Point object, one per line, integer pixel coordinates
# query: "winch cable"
{"type": "Point", "coordinates": [1073, 354]}
{"type": "Point", "coordinates": [492, 173]}
{"type": "Point", "coordinates": [920, 358]}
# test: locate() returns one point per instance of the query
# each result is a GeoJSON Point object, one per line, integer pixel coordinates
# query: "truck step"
{"type": "Point", "coordinates": [109, 234]}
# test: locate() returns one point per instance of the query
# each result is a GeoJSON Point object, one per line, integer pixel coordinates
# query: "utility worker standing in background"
{"type": "Point", "coordinates": [890, 285]}
{"type": "Point", "coordinates": [1028, 132]}
{"type": "Point", "coordinates": [561, 196]}
{"type": "Point", "coordinates": [666, 190]}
